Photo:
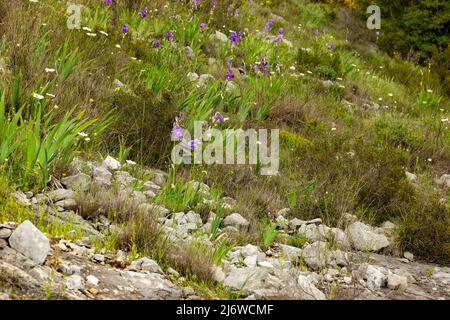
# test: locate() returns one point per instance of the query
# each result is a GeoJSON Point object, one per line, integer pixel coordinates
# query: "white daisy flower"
{"type": "Point", "coordinates": [82, 134]}
{"type": "Point", "coordinates": [38, 96]}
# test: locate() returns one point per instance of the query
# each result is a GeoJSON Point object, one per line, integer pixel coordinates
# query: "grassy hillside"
{"type": "Point", "coordinates": [352, 119]}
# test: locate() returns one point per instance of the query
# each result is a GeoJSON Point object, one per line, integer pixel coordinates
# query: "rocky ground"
{"type": "Point", "coordinates": [356, 261]}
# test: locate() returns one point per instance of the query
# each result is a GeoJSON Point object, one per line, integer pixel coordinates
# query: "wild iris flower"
{"type": "Point", "coordinates": [268, 25]}
{"type": "Point", "coordinates": [194, 144]}
{"type": "Point", "coordinates": [229, 75]}
{"type": "Point", "coordinates": [143, 13]}
{"type": "Point", "coordinates": [108, 2]}
{"type": "Point", "coordinates": [125, 28]}
{"type": "Point", "coordinates": [331, 47]}
{"type": "Point", "coordinates": [169, 36]}
{"type": "Point", "coordinates": [156, 45]}
{"type": "Point", "coordinates": [177, 133]}
{"type": "Point", "coordinates": [265, 65]}
{"type": "Point", "coordinates": [202, 27]}
{"type": "Point", "coordinates": [220, 117]}
{"type": "Point", "coordinates": [279, 38]}
{"type": "Point", "coordinates": [234, 38]}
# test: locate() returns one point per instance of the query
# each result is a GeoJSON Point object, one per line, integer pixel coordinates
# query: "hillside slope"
{"type": "Point", "coordinates": [364, 161]}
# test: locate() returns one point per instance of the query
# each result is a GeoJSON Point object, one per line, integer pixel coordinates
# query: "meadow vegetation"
{"type": "Point", "coordinates": [352, 119]}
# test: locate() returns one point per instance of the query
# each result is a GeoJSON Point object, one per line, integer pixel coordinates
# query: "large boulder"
{"type": "Point", "coordinates": [364, 238]}
{"type": "Point", "coordinates": [32, 243]}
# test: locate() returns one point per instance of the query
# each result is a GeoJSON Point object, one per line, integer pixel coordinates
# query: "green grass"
{"type": "Point", "coordinates": [336, 155]}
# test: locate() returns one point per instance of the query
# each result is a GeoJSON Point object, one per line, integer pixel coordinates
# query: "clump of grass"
{"type": "Point", "coordinates": [424, 228]}
{"type": "Point", "coordinates": [193, 260]}
{"type": "Point", "coordinates": [298, 241]}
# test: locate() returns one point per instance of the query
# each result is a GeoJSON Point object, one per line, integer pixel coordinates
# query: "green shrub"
{"type": "Point", "coordinates": [325, 72]}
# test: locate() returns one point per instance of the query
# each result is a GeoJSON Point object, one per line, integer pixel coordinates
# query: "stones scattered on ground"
{"type": "Point", "coordinates": [273, 274]}
{"type": "Point", "coordinates": [205, 79]}
{"type": "Point", "coordinates": [102, 176]}
{"type": "Point", "coordinates": [444, 180]}
{"type": "Point", "coordinates": [291, 253]}
{"type": "Point", "coordinates": [220, 36]}
{"type": "Point", "coordinates": [236, 220]}
{"type": "Point", "coordinates": [60, 194]}
{"type": "Point", "coordinates": [411, 177]}
{"type": "Point", "coordinates": [145, 264]}
{"type": "Point", "coordinates": [31, 242]}
{"type": "Point", "coordinates": [397, 282]}
{"type": "Point", "coordinates": [192, 76]}
{"type": "Point", "coordinates": [408, 255]}
{"type": "Point", "coordinates": [21, 198]}
{"type": "Point", "coordinates": [364, 238]}
{"type": "Point", "coordinates": [189, 53]}
{"type": "Point", "coordinates": [111, 164]}
{"type": "Point", "coordinates": [80, 181]}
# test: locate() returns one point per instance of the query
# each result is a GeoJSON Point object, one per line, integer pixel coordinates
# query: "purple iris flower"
{"type": "Point", "coordinates": [331, 47]}
{"type": "Point", "coordinates": [177, 133]}
{"type": "Point", "coordinates": [241, 33]}
{"type": "Point", "coordinates": [143, 13]}
{"type": "Point", "coordinates": [108, 2]}
{"type": "Point", "coordinates": [234, 38]}
{"type": "Point", "coordinates": [236, 11]}
{"type": "Point", "coordinates": [268, 25]}
{"type": "Point", "coordinates": [280, 31]}
{"type": "Point", "coordinates": [265, 65]}
{"type": "Point", "coordinates": [202, 27]}
{"type": "Point", "coordinates": [230, 8]}
{"type": "Point", "coordinates": [278, 39]}
{"type": "Point", "coordinates": [156, 45]}
{"type": "Point", "coordinates": [229, 75]}
{"type": "Point", "coordinates": [125, 28]}
{"type": "Point", "coordinates": [196, 3]}
{"type": "Point", "coordinates": [194, 144]}
{"type": "Point", "coordinates": [220, 117]}
{"type": "Point", "coordinates": [169, 36]}
{"type": "Point", "coordinates": [229, 63]}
